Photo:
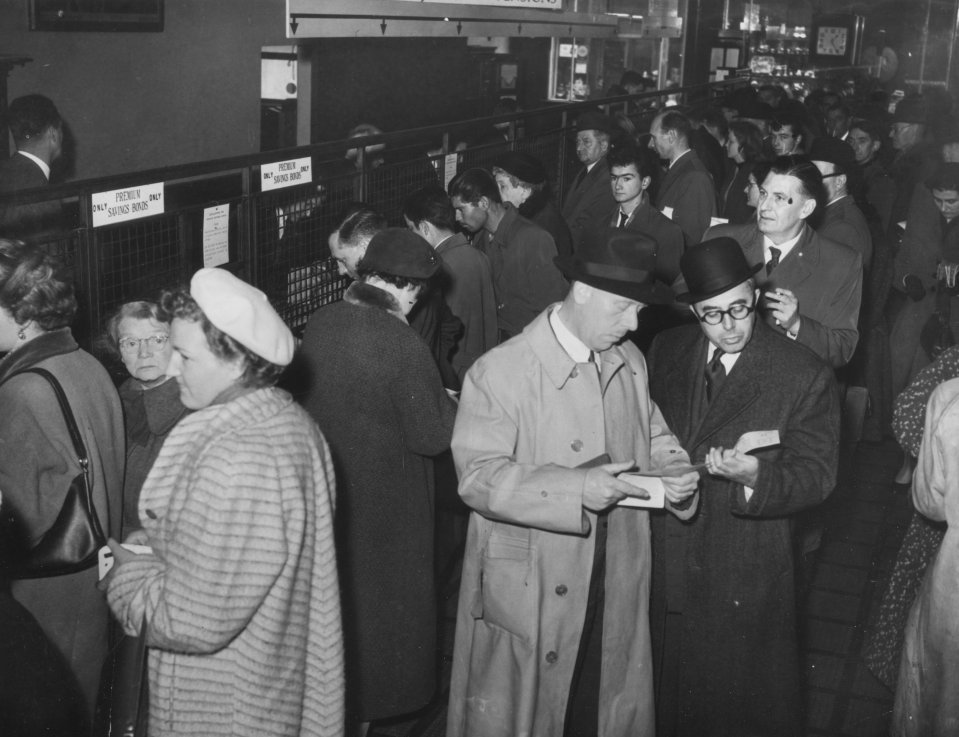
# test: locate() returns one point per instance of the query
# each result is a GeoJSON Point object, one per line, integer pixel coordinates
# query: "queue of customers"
{"type": "Point", "coordinates": [624, 407]}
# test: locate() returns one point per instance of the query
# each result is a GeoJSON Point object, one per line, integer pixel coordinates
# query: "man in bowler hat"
{"type": "Point", "coordinates": [554, 593]}
{"type": "Point", "coordinates": [723, 604]}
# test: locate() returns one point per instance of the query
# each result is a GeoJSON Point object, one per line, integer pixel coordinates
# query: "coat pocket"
{"type": "Point", "coordinates": [508, 587]}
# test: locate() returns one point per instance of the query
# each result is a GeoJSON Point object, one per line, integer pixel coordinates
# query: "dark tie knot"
{"type": "Point", "coordinates": [773, 261]}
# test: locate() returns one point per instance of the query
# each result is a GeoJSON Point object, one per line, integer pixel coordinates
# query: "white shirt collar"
{"type": "Point", "coordinates": [679, 157]}
{"type": "Point", "coordinates": [574, 347]}
{"type": "Point", "coordinates": [784, 248]}
{"type": "Point", "coordinates": [44, 167]}
{"type": "Point", "coordinates": [728, 360]}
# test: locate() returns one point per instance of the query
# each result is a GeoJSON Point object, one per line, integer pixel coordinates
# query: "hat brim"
{"type": "Point", "coordinates": [690, 298]}
{"type": "Point", "coordinates": [632, 287]}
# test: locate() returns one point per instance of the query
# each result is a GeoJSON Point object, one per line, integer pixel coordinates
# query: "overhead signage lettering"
{"type": "Point", "coordinates": [131, 203]}
{"type": "Point", "coordinates": [281, 174]}
{"type": "Point", "coordinates": [542, 4]}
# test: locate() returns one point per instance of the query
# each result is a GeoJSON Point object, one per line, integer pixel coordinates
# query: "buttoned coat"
{"type": "Point", "coordinates": [689, 190]}
{"type": "Point", "coordinates": [588, 201]}
{"type": "Point", "coordinates": [843, 222]}
{"type": "Point", "coordinates": [729, 569]}
{"type": "Point", "coordinates": [824, 275]}
{"type": "Point", "coordinates": [528, 418]}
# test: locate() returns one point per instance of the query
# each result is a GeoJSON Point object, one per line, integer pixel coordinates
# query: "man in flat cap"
{"type": "Point", "coordinates": [522, 182]}
{"type": "Point", "coordinates": [842, 220]}
{"type": "Point", "coordinates": [723, 613]}
{"type": "Point", "coordinates": [588, 200]}
{"type": "Point", "coordinates": [554, 593]}
{"type": "Point", "coordinates": [686, 194]}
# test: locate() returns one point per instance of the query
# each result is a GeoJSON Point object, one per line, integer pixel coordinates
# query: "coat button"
{"type": "Point", "coordinates": [151, 514]}
{"type": "Point", "coordinates": [575, 372]}
{"type": "Point", "coordinates": [551, 656]}
{"type": "Point", "coordinates": [543, 494]}
{"type": "Point", "coordinates": [561, 589]}
{"type": "Point", "coordinates": [576, 445]}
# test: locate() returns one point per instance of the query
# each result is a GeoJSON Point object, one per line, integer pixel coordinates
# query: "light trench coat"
{"type": "Point", "coordinates": [528, 417]}
{"type": "Point", "coordinates": [927, 691]}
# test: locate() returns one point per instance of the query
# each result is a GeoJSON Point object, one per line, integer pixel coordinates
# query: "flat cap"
{"type": "Point", "coordinates": [833, 151]}
{"type": "Point", "coordinates": [525, 167]}
{"type": "Point", "coordinates": [400, 252]}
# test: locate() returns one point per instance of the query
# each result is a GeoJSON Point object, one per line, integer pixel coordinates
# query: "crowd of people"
{"type": "Point", "coordinates": [623, 406]}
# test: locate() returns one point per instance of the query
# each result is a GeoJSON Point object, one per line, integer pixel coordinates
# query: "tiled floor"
{"type": "Point", "coordinates": [865, 520]}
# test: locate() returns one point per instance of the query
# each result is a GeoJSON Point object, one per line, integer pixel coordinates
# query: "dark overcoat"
{"type": "Point", "coordinates": [376, 394]}
{"type": "Point", "coordinates": [588, 201]}
{"type": "Point", "coordinates": [729, 569]}
{"type": "Point", "coordinates": [689, 191]}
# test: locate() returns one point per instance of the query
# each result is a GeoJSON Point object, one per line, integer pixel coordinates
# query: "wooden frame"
{"type": "Point", "coordinates": [96, 15]}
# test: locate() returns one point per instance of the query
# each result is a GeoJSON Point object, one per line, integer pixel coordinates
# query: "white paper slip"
{"type": "Point", "coordinates": [750, 441]}
{"type": "Point", "coordinates": [653, 485]}
{"type": "Point", "coordinates": [668, 212]}
{"type": "Point", "coordinates": [106, 556]}
{"type": "Point", "coordinates": [717, 221]}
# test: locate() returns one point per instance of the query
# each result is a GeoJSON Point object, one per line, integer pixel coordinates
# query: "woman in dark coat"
{"type": "Point", "coordinates": [37, 458]}
{"type": "Point", "coordinates": [744, 146]}
{"type": "Point", "coordinates": [376, 393]}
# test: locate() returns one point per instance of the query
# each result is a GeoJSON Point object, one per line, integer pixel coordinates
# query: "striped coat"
{"type": "Point", "coordinates": [240, 593]}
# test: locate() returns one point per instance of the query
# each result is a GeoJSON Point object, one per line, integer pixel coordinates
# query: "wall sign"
{"type": "Point", "coordinates": [132, 203]}
{"type": "Point", "coordinates": [281, 174]}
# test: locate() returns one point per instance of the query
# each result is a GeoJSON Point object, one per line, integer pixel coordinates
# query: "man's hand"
{"type": "Point", "coordinates": [733, 465]}
{"type": "Point", "coordinates": [784, 306]}
{"type": "Point", "coordinates": [602, 489]}
{"type": "Point", "coordinates": [680, 488]}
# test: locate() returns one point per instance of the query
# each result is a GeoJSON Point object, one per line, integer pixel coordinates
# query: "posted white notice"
{"type": "Point", "coordinates": [216, 235]}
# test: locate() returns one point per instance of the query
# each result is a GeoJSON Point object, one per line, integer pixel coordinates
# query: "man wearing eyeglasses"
{"type": "Point", "coordinates": [723, 610]}
{"type": "Point", "coordinates": [811, 286]}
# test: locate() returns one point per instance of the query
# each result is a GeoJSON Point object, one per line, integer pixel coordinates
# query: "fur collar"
{"type": "Point", "coordinates": [366, 295]}
{"type": "Point", "coordinates": [534, 204]}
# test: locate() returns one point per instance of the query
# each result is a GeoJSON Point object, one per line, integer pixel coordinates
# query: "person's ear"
{"type": "Point", "coordinates": [644, 183]}
{"type": "Point", "coordinates": [807, 208]}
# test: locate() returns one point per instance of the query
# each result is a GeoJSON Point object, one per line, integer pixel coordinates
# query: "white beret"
{"type": "Point", "coordinates": [244, 313]}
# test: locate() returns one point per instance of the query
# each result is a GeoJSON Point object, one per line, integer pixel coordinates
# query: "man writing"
{"type": "Point", "coordinates": [724, 613]}
{"type": "Point", "coordinates": [555, 575]}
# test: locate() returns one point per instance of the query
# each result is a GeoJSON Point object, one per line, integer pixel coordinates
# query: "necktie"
{"type": "Point", "coordinates": [773, 261]}
{"type": "Point", "coordinates": [623, 217]}
{"type": "Point", "coordinates": [715, 375]}
{"type": "Point", "coordinates": [578, 180]}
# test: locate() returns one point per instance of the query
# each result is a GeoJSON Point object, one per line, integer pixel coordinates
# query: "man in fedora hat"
{"type": "Point", "coordinates": [554, 588]}
{"type": "Point", "coordinates": [589, 199]}
{"type": "Point", "coordinates": [723, 607]}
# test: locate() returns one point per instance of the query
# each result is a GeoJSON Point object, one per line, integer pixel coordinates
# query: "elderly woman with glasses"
{"type": "Point", "coordinates": [238, 598]}
{"type": "Point", "coordinates": [140, 335]}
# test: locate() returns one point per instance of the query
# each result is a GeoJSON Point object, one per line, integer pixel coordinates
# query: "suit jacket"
{"type": "Point", "coordinates": [689, 190]}
{"type": "Point", "coordinates": [827, 279]}
{"type": "Point", "coordinates": [844, 223]}
{"type": "Point", "coordinates": [649, 221]}
{"type": "Point", "coordinates": [588, 201]}
{"type": "Point", "coordinates": [18, 174]}
{"type": "Point", "coordinates": [729, 569]}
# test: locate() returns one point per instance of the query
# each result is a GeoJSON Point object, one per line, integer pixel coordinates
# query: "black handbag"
{"type": "Point", "coordinates": [72, 541]}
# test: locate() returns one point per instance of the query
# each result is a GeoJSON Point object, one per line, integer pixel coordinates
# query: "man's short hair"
{"type": "Point", "coordinates": [809, 176]}
{"type": "Point", "coordinates": [642, 158]}
{"type": "Point", "coordinates": [873, 128]}
{"type": "Point", "coordinates": [781, 120]}
{"type": "Point", "coordinates": [945, 178]}
{"type": "Point", "coordinates": [31, 115]}
{"type": "Point", "coordinates": [774, 89]}
{"type": "Point", "coordinates": [359, 222]}
{"type": "Point", "coordinates": [675, 121]}
{"type": "Point", "coordinates": [430, 203]}
{"type": "Point", "coordinates": [474, 184]}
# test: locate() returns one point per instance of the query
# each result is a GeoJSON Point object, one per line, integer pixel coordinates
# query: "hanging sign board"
{"type": "Point", "coordinates": [281, 174]}
{"type": "Point", "coordinates": [119, 205]}
{"type": "Point", "coordinates": [538, 4]}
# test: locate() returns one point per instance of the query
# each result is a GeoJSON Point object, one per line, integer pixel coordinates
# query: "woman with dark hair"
{"type": "Point", "coordinates": [744, 146]}
{"type": "Point", "coordinates": [139, 335]}
{"type": "Point", "coordinates": [377, 395]}
{"type": "Point", "coordinates": [238, 600]}
{"type": "Point", "coordinates": [37, 457]}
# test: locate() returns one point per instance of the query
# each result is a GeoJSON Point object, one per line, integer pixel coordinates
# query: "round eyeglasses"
{"type": "Point", "coordinates": [736, 312]}
{"type": "Point", "coordinates": [153, 343]}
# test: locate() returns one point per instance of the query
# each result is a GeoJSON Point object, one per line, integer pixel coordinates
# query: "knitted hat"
{"type": "Point", "coordinates": [400, 252]}
{"type": "Point", "coordinates": [525, 167]}
{"type": "Point", "coordinates": [244, 313]}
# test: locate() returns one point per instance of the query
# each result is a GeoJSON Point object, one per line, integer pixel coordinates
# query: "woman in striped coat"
{"type": "Point", "coordinates": [239, 594]}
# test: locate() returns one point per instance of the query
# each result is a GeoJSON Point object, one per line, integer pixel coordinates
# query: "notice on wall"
{"type": "Point", "coordinates": [132, 203]}
{"type": "Point", "coordinates": [216, 235]}
{"type": "Point", "coordinates": [449, 169]}
{"type": "Point", "coordinates": [536, 4]}
{"type": "Point", "coordinates": [281, 174]}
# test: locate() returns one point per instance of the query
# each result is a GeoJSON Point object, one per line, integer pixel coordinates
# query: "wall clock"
{"type": "Point", "coordinates": [832, 40]}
